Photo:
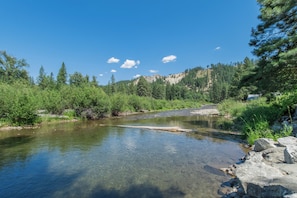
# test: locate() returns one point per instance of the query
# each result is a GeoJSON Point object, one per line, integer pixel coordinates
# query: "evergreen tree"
{"type": "Point", "coordinates": [158, 89]}
{"type": "Point", "coordinates": [143, 88]}
{"type": "Point", "coordinates": [275, 43]}
{"type": "Point", "coordinates": [62, 75]}
{"type": "Point", "coordinates": [113, 84]}
{"type": "Point", "coordinates": [94, 81]}
{"type": "Point", "coordinates": [131, 89]}
{"type": "Point", "coordinates": [77, 79]}
{"type": "Point", "coordinates": [41, 78]}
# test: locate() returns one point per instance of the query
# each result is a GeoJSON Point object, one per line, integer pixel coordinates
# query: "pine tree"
{"type": "Point", "coordinates": [62, 75]}
{"type": "Point", "coordinates": [275, 43]}
{"type": "Point", "coordinates": [142, 88]}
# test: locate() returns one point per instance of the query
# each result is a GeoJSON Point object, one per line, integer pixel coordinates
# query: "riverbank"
{"type": "Point", "coordinates": [268, 171]}
{"type": "Point", "coordinates": [52, 118]}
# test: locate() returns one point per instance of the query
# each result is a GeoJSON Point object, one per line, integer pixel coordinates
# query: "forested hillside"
{"type": "Point", "coordinates": [213, 83]}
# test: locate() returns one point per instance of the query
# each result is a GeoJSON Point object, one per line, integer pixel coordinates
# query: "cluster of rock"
{"type": "Point", "coordinates": [268, 171]}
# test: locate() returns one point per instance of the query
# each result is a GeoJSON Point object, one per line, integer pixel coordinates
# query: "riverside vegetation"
{"type": "Point", "coordinates": [275, 70]}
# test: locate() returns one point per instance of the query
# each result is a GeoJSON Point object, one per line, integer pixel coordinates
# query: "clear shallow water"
{"type": "Point", "coordinates": [98, 159]}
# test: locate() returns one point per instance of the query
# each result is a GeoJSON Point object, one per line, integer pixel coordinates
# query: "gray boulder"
{"type": "Point", "coordinates": [291, 154]}
{"type": "Point", "coordinates": [287, 141]}
{"type": "Point", "coordinates": [263, 144]}
{"type": "Point", "coordinates": [256, 178]}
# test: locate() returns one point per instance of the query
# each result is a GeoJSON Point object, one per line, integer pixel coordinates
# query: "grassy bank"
{"type": "Point", "coordinates": [255, 118]}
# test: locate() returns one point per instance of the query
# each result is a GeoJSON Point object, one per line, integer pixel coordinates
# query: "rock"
{"type": "Point", "coordinates": [287, 141]}
{"type": "Point", "coordinates": [291, 154]}
{"type": "Point", "coordinates": [263, 144]}
{"type": "Point", "coordinates": [274, 155]}
{"type": "Point", "coordinates": [261, 180]}
{"type": "Point", "coordinates": [291, 196]}
{"type": "Point", "coordinates": [267, 173]}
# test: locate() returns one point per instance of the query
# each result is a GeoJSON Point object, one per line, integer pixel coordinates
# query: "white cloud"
{"type": "Point", "coordinates": [168, 59]}
{"type": "Point", "coordinates": [100, 75]}
{"type": "Point", "coordinates": [218, 48]}
{"type": "Point", "coordinates": [137, 76]}
{"type": "Point", "coordinates": [113, 60]}
{"type": "Point", "coordinates": [153, 71]}
{"type": "Point", "coordinates": [113, 71]}
{"type": "Point", "coordinates": [128, 64]}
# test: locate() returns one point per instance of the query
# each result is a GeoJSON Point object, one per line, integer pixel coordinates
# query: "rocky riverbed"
{"type": "Point", "coordinates": [268, 171]}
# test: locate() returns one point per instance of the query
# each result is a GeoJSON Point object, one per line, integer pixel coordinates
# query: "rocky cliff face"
{"type": "Point", "coordinates": [172, 78]}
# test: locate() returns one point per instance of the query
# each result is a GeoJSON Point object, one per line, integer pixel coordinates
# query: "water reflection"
{"type": "Point", "coordinates": [98, 159]}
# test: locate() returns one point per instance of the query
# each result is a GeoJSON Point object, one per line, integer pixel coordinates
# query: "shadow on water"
{"type": "Point", "coordinates": [134, 191]}
{"type": "Point", "coordinates": [143, 190]}
{"type": "Point", "coordinates": [15, 141]}
{"type": "Point", "coordinates": [9, 145]}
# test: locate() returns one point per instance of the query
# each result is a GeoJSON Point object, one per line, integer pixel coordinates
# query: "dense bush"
{"type": "Point", "coordinates": [18, 104]}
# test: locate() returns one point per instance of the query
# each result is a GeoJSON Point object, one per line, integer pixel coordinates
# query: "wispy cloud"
{"type": "Point", "coordinates": [113, 60]}
{"type": "Point", "coordinates": [128, 64]}
{"type": "Point", "coordinates": [100, 75]}
{"type": "Point", "coordinates": [169, 58]}
{"type": "Point", "coordinates": [137, 76]}
{"type": "Point", "coordinates": [217, 48]}
{"type": "Point", "coordinates": [113, 71]}
{"type": "Point", "coordinates": [153, 71]}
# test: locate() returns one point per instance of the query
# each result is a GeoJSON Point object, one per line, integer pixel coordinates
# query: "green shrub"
{"type": "Point", "coordinates": [18, 104]}
{"type": "Point", "coordinates": [118, 102]}
{"type": "Point", "coordinates": [135, 103]}
{"type": "Point", "coordinates": [232, 107]}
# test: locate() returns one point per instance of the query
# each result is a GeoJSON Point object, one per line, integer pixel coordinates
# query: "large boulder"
{"type": "Point", "coordinates": [267, 173]}
{"type": "Point", "coordinates": [263, 144]}
{"type": "Point", "coordinates": [257, 179]}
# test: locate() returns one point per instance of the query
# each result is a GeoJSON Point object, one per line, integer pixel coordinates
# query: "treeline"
{"type": "Point", "coordinates": [73, 95]}
{"type": "Point", "coordinates": [21, 95]}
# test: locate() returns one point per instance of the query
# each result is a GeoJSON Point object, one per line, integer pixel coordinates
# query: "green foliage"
{"type": "Point", "coordinates": [118, 103]}
{"type": "Point", "coordinates": [256, 127]}
{"type": "Point", "coordinates": [158, 89]}
{"type": "Point", "coordinates": [221, 78]}
{"type": "Point", "coordinates": [62, 76]}
{"type": "Point", "coordinates": [78, 80]}
{"type": "Point", "coordinates": [143, 88]}
{"type": "Point", "coordinates": [256, 117]}
{"type": "Point", "coordinates": [70, 113]}
{"type": "Point", "coordinates": [135, 102]}
{"type": "Point", "coordinates": [18, 105]}
{"type": "Point", "coordinates": [275, 44]}
{"type": "Point", "coordinates": [12, 69]}
{"type": "Point", "coordinates": [232, 108]}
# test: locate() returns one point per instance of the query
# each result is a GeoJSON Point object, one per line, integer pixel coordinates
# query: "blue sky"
{"type": "Point", "coordinates": [126, 38]}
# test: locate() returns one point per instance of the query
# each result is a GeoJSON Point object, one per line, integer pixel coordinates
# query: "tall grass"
{"type": "Point", "coordinates": [255, 118]}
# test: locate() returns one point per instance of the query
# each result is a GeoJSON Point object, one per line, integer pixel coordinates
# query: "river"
{"type": "Point", "coordinates": [100, 159]}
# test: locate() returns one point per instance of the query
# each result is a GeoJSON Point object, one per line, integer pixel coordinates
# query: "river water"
{"type": "Point", "coordinates": [99, 159]}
